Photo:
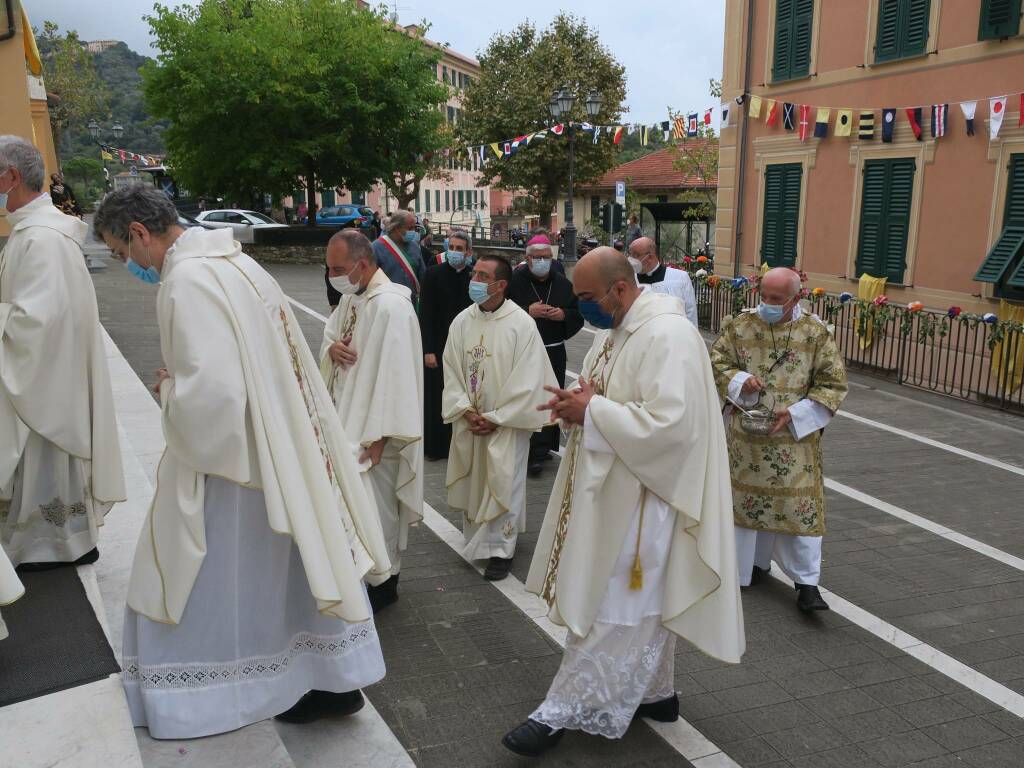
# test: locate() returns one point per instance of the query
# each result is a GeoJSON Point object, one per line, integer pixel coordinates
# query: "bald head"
{"type": "Point", "coordinates": [780, 283]}
{"type": "Point", "coordinates": [604, 276]}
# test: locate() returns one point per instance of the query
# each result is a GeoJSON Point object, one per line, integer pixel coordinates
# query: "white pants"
{"type": "Point", "coordinates": [798, 556]}
{"type": "Point", "coordinates": [497, 538]}
{"type": "Point", "coordinates": [383, 479]}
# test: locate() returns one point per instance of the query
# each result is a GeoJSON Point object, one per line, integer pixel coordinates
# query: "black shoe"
{"type": "Point", "coordinates": [89, 557]}
{"type": "Point", "coordinates": [809, 598]}
{"type": "Point", "coordinates": [383, 595]}
{"type": "Point", "coordinates": [317, 704]}
{"type": "Point", "coordinates": [534, 468]}
{"type": "Point", "coordinates": [756, 576]}
{"type": "Point", "coordinates": [497, 568]}
{"type": "Point", "coordinates": [664, 711]}
{"type": "Point", "coordinates": [531, 739]}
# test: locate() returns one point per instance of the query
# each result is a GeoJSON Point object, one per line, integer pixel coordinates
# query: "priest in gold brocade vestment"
{"type": "Point", "coordinates": [788, 358]}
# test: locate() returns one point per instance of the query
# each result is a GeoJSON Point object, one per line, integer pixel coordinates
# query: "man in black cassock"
{"type": "Point", "coordinates": [443, 294]}
{"type": "Point", "coordinates": [548, 296]}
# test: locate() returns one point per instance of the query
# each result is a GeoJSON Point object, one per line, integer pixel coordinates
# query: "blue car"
{"type": "Point", "coordinates": [357, 216]}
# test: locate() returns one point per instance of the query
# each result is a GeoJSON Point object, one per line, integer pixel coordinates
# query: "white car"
{"type": "Point", "coordinates": [242, 222]}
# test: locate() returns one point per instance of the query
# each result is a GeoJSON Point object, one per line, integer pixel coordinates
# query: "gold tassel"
{"type": "Point", "coordinates": [636, 574]}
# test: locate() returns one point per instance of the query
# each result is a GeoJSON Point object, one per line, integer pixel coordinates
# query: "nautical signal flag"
{"type": "Point", "coordinates": [691, 124]}
{"type": "Point", "coordinates": [725, 114]}
{"type": "Point", "coordinates": [866, 126]}
{"type": "Point", "coordinates": [914, 118]}
{"type": "Point", "coordinates": [665, 129]}
{"type": "Point", "coordinates": [805, 121]}
{"type": "Point", "coordinates": [678, 128]}
{"type": "Point", "coordinates": [821, 123]}
{"type": "Point", "coordinates": [771, 115]}
{"type": "Point", "coordinates": [968, 108]}
{"type": "Point", "coordinates": [707, 117]}
{"type": "Point", "coordinates": [754, 110]}
{"type": "Point", "coordinates": [940, 120]}
{"type": "Point", "coordinates": [996, 110]}
{"type": "Point", "coordinates": [844, 122]}
{"type": "Point", "coordinates": [789, 116]}
{"type": "Point", "coordinates": [645, 135]}
{"type": "Point", "coordinates": [559, 129]}
{"type": "Point", "coordinates": [888, 123]}
{"type": "Point", "coordinates": [617, 136]}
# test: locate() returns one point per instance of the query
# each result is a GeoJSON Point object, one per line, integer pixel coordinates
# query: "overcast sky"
{"type": "Point", "coordinates": [669, 47]}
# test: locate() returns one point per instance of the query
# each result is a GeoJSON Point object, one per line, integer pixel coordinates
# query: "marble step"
{"type": "Point", "coordinates": [255, 746]}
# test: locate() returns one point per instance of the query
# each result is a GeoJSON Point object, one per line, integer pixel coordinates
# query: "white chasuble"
{"type": "Point", "coordinates": [60, 458]}
{"type": "Point", "coordinates": [245, 402]}
{"type": "Point", "coordinates": [495, 365]}
{"type": "Point", "coordinates": [659, 414]}
{"type": "Point", "coordinates": [10, 588]}
{"type": "Point", "coordinates": [381, 396]}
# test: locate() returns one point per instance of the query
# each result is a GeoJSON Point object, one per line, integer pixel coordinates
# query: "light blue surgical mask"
{"type": "Point", "coordinates": [412, 236]}
{"type": "Point", "coordinates": [478, 292]}
{"type": "Point", "coordinates": [150, 275]}
{"type": "Point", "coordinates": [771, 313]}
{"type": "Point", "coordinates": [540, 267]}
{"type": "Point", "coordinates": [456, 258]}
{"type": "Point", "coordinates": [3, 202]}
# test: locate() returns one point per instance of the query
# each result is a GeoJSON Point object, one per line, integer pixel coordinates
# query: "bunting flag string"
{"type": "Point", "coordinates": [126, 157]}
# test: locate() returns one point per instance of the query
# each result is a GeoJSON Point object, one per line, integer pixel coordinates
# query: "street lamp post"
{"type": "Point", "coordinates": [95, 130]}
{"type": "Point", "coordinates": [561, 106]}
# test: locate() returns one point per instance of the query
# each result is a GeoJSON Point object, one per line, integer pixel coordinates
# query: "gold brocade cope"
{"type": "Point", "coordinates": [869, 288]}
{"type": "Point", "coordinates": [1008, 355]}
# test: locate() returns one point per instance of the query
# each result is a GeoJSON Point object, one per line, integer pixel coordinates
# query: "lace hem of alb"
{"type": "Point", "coordinates": [200, 675]}
{"type": "Point", "coordinates": [605, 676]}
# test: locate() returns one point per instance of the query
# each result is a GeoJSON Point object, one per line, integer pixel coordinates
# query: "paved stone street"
{"type": "Point", "coordinates": [921, 661]}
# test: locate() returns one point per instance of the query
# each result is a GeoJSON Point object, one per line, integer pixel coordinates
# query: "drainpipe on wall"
{"type": "Point", "coordinates": [741, 166]}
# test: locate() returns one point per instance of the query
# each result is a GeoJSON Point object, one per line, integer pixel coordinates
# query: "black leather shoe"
{"type": "Point", "coordinates": [383, 595]}
{"type": "Point", "coordinates": [757, 575]}
{"type": "Point", "coordinates": [531, 739]}
{"type": "Point", "coordinates": [497, 568]}
{"type": "Point", "coordinates": [664, 711]}
{"type": "Point", "coordinates": [809, 599]}
{"type": "Point", "coordinates": [317, 704]}
{"type": "Point", "coordinates": [534, 468]}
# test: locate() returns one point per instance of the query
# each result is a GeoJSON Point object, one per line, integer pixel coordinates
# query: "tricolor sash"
{"type": "Point", "coordinates": [403, 261]}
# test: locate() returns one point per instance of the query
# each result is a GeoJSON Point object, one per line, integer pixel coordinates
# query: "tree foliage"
{"type": "Point", "coordinates": [260, 94]}
{"type": "Point", "coordinates": [69, 74]}
{"type": "Point", "coordinates": [519, 72]}
{"type": "Point", "coordinates": [698, 159]}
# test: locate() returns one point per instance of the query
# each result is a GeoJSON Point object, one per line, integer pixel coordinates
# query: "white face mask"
{"type": "Point", "coordinates": [343, 284]}
{"type": "Point", "coordinates": [635, 264]}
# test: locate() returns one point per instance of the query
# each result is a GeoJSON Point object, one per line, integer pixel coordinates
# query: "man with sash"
{"type": "Point", "coordinates": [637, 543]}
{"type": "Point", "coordinates": [786, 355]}
{"type": "Point", "coordinates": [398, 252]}
{"type": "Point", "coordinates": [372, 361]}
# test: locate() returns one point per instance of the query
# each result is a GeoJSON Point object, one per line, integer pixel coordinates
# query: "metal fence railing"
{"type": "Point", "coordinates": [957, 354]}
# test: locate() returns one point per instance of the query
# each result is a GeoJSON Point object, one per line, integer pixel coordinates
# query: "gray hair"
{"type": "Point", "coordinates": [16, 152]}
{"type": "Point", "coordinates": [458, 233]}
{"type": "Point", "coordinates": [357, 246]}
{"type": "Point", "coordinates": [140, 203]}
{"type": "Point", "coordinates": [399, 219]}
{"type": "Point", "coordinates": [532, 249]}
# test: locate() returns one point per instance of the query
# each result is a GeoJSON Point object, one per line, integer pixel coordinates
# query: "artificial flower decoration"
{"type": "Point", "coordinates": [881, 301]}
{"type": "Point", "coordinates": [687, 259]}
{"type": "Point", "coordinates": [845, 296]}
{"type": "Point", "coordinates": [990, 318]}
{"type": "Point", "coordinates": [819, 291]}
{"type": "Point", "coordinates": [739, 282]}
{"type": "Point", "coordinates": [954, 312]}
{"type": "Point", "coordinates": [702, 259]}
{"type": "Point", "coordinates": [701, 273]}
{"type": "Point", "coordinates": [915, 306]}
{"type": "Point", "coordinates": [714, 280]}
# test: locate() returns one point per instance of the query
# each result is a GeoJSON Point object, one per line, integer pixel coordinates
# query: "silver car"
{"type": "Point", "coordinates": [242, 222]}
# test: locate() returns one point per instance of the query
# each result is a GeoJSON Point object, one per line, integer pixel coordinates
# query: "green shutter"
{"type": "Point", "coordinates": [887, 43]}
{"type": "Point", "coordinates": [902, 29]}
{"type": "Point", "coordinates": [915, 30]}
{"type": "Point", "coordinates": [803, 22]}
{"type": "Point", "coordinates": [782, 66]}
{"type": "Point", "coordinates": [870, 256]}
{"type": "Point", "coordinates": [1014, 215]}
{"type": "Point", "coordinates": [792, 51]}
{"type": "Point", "coordinates": [998, 261]}
{"type": "Point", "coordinates": [781, 214]}
{"type": "Point", "coordinates": [885, 218]}
{"type": "Point", "coordinates": [900, 193]}
{"type": "Point", "coordinates": [999, 18]}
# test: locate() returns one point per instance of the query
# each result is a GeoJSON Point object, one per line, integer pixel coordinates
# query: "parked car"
{"type": "Point", "coordinates": [188, 222]}
{"type": "Point", "coordinates": [242, 222]}
{"type": "Point", "coordinates": [345, 216]}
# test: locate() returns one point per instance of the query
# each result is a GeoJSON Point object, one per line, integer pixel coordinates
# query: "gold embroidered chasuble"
{"type": "Point", "coordinates": [777, 482]}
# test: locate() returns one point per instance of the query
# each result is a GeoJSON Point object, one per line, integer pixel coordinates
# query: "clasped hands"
{"type": "Point", "coordinates": [570, 405]}
{"type": "Point", "coordinates": [342, 353]}
{"type": "Point", "coordinates": [782, 416]}
{"type": "Point", "coordinates": [478, 425]}
{"type": "Point", "coordinates": [542, 311]}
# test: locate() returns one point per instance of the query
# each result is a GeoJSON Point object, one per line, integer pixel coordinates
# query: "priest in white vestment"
{"type": "Point", "coordinates": [372, 361]}
{"type": "Point", "coordinates": [637, 543]}
{"type": "Point", "coordinates": [60, 460]}
{"type": "Point", "coordinates": [246, 589]}
{"type": "Point", "coordinates": [495, 369]}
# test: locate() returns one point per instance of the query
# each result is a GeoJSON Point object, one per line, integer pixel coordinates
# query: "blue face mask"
{"type": "Point", "coordinates": [150, 275]}
{"type": "Point", "coordinates": [540, 267]}
{"type": "Point", "coordinates": [412, 236]}
{"type": "Point", "coordinates": [456, 258]}
{"type": "Point", "coordinates": [771, 313]}
{"type": "Point", "coordinates": [478, 292]}
{"type": "Point", "coordinates": [595, 315]}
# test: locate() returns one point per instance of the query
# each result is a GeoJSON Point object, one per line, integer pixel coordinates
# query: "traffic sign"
{"type": "Point", "coordinates": [620, 192]}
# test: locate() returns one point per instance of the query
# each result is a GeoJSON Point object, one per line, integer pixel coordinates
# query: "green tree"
{"type": "Point", "coordinates": [519, 72]}
{"type": "Point", "coordinates": [70, 76]}
{"type": "Point", "coordinates": [698, 159]}
{"type": "Point", "coordinates": [260, 94]}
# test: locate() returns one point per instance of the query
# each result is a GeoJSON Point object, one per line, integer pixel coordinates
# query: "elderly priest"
{"type": "Point", "coordinates": [637, 542]}
{"type": "Point", "coordinates": [60, 461]}
{"type": "Point", "coordinates": [246, 590]}
{"type": "Point", "coordinates": [372, 361]}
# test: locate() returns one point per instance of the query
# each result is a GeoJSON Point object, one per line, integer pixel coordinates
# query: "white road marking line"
{"type": "Point", "coordinates": [680, 735]}
{"type": "Point", "coordinates": [970, 678]}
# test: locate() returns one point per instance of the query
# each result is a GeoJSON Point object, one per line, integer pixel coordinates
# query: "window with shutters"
{"type": "Point", "coordinates": [999, 19]}
{"type": "Point", "coordinates": [1004, 264]}
{"type": "Point", "coordinates": [791, 58]}
{"type": "Point", "coordinates": [781, 214]}
{"type": "Point", "coordinates": [426, 201]}
{"type": "Point", "coordinates": [888, 187]}
{"type": "Point", "coordinates": [902, 29]}
{"type": "Point", "coordinates": [437, 200]}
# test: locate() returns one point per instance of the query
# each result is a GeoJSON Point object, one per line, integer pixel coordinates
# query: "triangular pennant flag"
{"type": "Point", "coordinates": [866, 126]}
{"type": "Point", "coordinates": [496, 149]}
{"type": "Point", "coordinates": [691, 124]}
{"type": "Point", "coordinates": [821, 123]}
{"type": "Point", "coordinates": [940, 120]}
{"type": "Point", "coordinates": [844, 122]}
{"type": "Point", "coordinates": [754, 110]}
{"type": "Point", "coordinates": [968, 108]}
{"type": "Point", "coordinates": [805, 121]}
{"type": "Point", "coordinates": [617, 136]}
{"type": "Point", "coordinates": [725, 114]}
{"type": "Point", "coordinates": [996, 110]}
{"type": "Point", "coordinates": [771, 115]}
{"type": "Point", "coordinates": [914, 118]}
{"type": "Point", "coordinates": [788, 116]}
{"type": "Point", "coordinates": [888, 123]}
{"type": "Point", "coordinates": [707, 117]}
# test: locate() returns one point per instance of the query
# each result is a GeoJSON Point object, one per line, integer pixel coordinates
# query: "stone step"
{"type": "Point", "coordinates": [255, 746]}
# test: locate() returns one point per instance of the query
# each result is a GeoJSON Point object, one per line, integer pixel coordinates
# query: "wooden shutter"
{"type": "Point", "coordinates": [870, 256]}
{"type": "Point", "coordinates": [782, 63]}
{"type": "Point", "coordinates": [1014, 215]}
{"type": "Point", "coordinates": [914, 34]}
{"type": "Point", "coordinates": [803, 23]}
{"type": "Point", "coordinates": [998, 260]}
{"type": "Point", "coordinates": [1008, 252]}
{"type": "Point", "coordinates": [902, 28]}
{"type": "Point", "coordinates": [899, 195]}
{"type": "Point", "coordinates": [885, 218]}
{"type": "Point", "coordinates": [887, 39]}
{"type": "Point", "coordinates": [999, 18]}
{"type": "Point", "coordinates": [781, 214]}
